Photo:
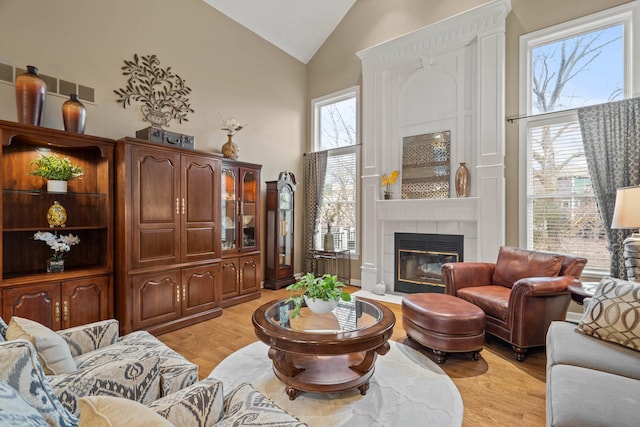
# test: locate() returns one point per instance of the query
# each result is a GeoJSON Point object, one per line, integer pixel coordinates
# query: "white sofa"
{"type": "Point", "coordinates": [135, 368]}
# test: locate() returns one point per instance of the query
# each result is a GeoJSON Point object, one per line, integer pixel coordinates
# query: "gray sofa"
{"type": "Point", "coordinates": [590, 382]}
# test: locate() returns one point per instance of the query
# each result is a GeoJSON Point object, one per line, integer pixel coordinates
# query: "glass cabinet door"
{"type": "Point", "coordinates": [248, 209]}
{"type": "Point", "coordinates": [285, 235]}
{"type": "Point", "coordinates": [229, 211]}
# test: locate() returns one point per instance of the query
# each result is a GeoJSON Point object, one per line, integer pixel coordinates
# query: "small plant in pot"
{"type": "Point", "coordinates": [55, 169]}
{"type": "Point", "coordinates": [326, 289]}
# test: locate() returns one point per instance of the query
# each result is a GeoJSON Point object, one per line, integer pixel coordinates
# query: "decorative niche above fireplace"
{"type": "Point", "coordinates": [425, 165]}
{"type": "Point", "coordinates": [419, 258]}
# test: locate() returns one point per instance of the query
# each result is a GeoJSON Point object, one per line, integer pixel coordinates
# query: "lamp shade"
{"type": "Point", "coordinates": [626, 213]}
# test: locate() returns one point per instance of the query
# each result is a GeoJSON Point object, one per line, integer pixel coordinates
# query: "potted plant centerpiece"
{"type": "Point", "coordinates": [320, 294]}
{"type": "Point", "coordinates": [56, 170]}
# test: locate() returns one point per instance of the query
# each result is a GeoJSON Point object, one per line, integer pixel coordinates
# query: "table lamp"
{"type": "Point", "coordinates": [626, 215]}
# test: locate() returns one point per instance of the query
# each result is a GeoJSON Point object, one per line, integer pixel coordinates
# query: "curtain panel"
{"type": "Point", "coordinates": [315, 169]}
{"type": "Point", "coordinates": [611, 138]}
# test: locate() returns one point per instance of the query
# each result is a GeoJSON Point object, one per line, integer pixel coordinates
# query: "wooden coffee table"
{"type": "Point", "coordinates": [325, 352]}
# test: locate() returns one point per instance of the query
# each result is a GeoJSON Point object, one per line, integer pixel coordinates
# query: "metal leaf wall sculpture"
{"type": "Point", "coordinates": [162, 93]}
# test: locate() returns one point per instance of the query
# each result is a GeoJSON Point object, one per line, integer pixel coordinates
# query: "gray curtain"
{"type": "Point", "coordinates": [315, 168]}
{"type": "Point", "coordinates": [611, 137]}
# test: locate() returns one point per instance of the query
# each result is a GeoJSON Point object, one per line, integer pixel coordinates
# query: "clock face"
{"type": "Point", "coordinates": [285, 198]}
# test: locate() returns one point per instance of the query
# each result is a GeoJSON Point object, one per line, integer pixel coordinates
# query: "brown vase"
{"type": "Point", "coordinates": [31, 94]}
{"type": "Point", "coordinates": [463, 181]}
{"type": "Point", "coordinates": [74, 114]}
{"type": "Point", "coordinates": [230, 149]}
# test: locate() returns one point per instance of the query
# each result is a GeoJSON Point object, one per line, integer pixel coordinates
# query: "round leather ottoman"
{"type": "Point", "coordinates": [444, 323]}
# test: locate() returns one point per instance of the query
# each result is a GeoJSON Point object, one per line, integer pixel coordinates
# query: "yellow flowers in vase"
{"type": "Point", "coordinates": [387, 182]}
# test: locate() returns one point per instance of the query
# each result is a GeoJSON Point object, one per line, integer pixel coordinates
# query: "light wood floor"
{"type": "Point", "coordinates": [496, 390]}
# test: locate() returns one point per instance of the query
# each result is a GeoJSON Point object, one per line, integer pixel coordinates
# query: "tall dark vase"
{"type": "Point", "coordinates": [74, 114]}
{"type": "Point", "coordinates": [31, 94]}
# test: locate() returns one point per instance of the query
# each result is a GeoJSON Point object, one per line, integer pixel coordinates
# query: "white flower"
{"type": "Point", "coordinates": [231, 125]}
{"type": "Point", "coordinates": [59, 244]}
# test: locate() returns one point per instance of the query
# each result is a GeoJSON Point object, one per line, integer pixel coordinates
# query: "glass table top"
{"type": "Point", "coordinates": [348, 316]}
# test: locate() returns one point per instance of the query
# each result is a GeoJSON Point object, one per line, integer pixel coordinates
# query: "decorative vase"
{"type": "Point", "coordinates": [55, 266]}
{"type": "Point", "coordinates": [230, 149]}
{"type": "Point", "coordinates": [463, 181]}
{"type": "Point", "coordinates": [328, 240]}
{"type": "Point", "coordinates": [387, 195]}
{"type": "Point", "coordinates": [74, 114]}
{"type": "Point", "coordinates": [320, 306]}
{"type": "Point", "coordinates": [56, 215]}
{"type": "Point", "coordinates": [31, 94]}
{"type": "Point", "coordinates": [56, 186]}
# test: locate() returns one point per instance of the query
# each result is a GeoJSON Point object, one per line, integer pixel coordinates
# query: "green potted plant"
{"type": "Point", "coordinates": [56, 170]}
{"type": "Point", "coordinates": [320, 294]}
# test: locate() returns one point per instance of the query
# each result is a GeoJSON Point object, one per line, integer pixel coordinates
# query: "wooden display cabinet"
{"type": "Point", "coordinates": [83, 293]}
{"type": "Point", "coordinates": [240, 220]}
{"type": "Point", "coordinates": [168, 229]}
{"type": "Point", "coordinates": [280, 242]}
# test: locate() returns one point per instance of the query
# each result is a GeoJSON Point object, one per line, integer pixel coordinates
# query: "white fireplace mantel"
{"type": "Point", "coordinates": [446, 76]}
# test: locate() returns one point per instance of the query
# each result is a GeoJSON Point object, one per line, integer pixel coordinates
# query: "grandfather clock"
{"type": "Point", "coordinates": [279, 257]}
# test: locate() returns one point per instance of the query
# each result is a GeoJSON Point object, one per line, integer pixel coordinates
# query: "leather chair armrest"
{"type": "Point", "coordinates": [460, 275]}
{"type": "Point", "coordinates": [542, 286]}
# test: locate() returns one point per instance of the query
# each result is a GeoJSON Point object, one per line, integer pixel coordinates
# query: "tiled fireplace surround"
{"type": "Point", "coordinates": [446, 76]}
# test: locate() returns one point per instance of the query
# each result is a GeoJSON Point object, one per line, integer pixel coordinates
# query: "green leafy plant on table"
{"type": "Point", "coordinates": [325, 288]}
{"type": "Point", "coordinates": [54, 167]}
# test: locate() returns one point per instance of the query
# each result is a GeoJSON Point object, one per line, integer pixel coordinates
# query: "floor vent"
{"type": "Point", "coordinates": [54, 84]}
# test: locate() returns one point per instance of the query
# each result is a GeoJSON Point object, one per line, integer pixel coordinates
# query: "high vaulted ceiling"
{"type": "Point", "coordinates": [298, 27]}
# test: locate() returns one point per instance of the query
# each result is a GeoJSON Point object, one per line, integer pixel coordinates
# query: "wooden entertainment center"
{"type": "Point", "coordinates": [150, 218]}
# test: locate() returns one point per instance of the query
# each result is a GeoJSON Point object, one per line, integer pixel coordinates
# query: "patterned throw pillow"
{"type": "Point", "coordinates": [137, 380]}
{"type": "Point", "coordinates": [614, 313]}
{"type": "Point", "coordinates": [247, 405]}
{"type": "Point", "coordinates": [20, 368]}
{"type": "Point", "coordinates": [108, 411]}
{"type": "Point", "coordinates": [3, 330]}
{"type": "Point", "coordinates": [15, 411]}
{"type": "Point", "coordinates": [53, 351]}
{"type": "Point", "coordinates": [200, 404]}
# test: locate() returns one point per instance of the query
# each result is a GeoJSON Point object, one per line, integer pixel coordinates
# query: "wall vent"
{"type": "Point", "coordinates": [6, 73]}
{"type": "Point", "coordinates": [67, 88]}
{"type": "Point", "coordinates": [55, 85]}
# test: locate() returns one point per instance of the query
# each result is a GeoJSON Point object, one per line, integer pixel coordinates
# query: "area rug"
{"type": "Point", "coordinates": [387, 297]}
{"type": "Point", "coordinates": [407, 389]}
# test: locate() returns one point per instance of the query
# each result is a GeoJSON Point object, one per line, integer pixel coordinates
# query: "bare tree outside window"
{"type": "Point", "coordinates": [573, 72]}
{"type": "Point", "coordinates": [337, 133]}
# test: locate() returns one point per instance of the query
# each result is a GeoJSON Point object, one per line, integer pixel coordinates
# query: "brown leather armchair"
{"type": "Point", "coordinates": [521, 294]}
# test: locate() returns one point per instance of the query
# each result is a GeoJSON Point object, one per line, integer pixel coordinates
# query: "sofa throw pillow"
{"type": "Point", "coordinates": [15, 411]}
{"type": "Point", "coordinates": [514, 264]}
{"type": "Point", "coordinates": [246, 403]}
{"type": "Point", "coordinates": [613, 313]}
{"type": "Point", "coordinates": [109, 411]}
{"type": "Point", "coordinates": [137, 380]}
{"type": "Point", "coordinates": [200, 404]}
{"type": "Point", "coordinates": [53, 351]}
{"type": "Point", "coordinates": [3, 330]}
{"type": "Point", "coordinates": [20, 368]}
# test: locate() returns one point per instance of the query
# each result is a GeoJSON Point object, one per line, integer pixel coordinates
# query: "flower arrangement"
{"type": "Point", "coordinates": [388, 181]}
{"type": "Point", "coordinates": [231, 125]}
{"type": "Point", "coordinates": [59, 244]}
{"type": "Point", "coordinates": [52, 166]}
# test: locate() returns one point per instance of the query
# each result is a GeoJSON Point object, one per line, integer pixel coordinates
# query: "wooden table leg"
{"type": "Point", "coordinates": [370, 358]}
{"type": "Point", "coordinates": [283, 363]}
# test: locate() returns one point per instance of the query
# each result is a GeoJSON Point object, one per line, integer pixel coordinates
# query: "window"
{"type": "Point", "coordinates": [336, 130]}
{"type": "Point", "coordinates": [575, 64]}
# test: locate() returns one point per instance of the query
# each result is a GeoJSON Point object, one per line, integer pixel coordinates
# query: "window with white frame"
{"type": "Point", "coordinates": [336, 130]}
{"type": "Point", "coordinates": [565, 67]}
